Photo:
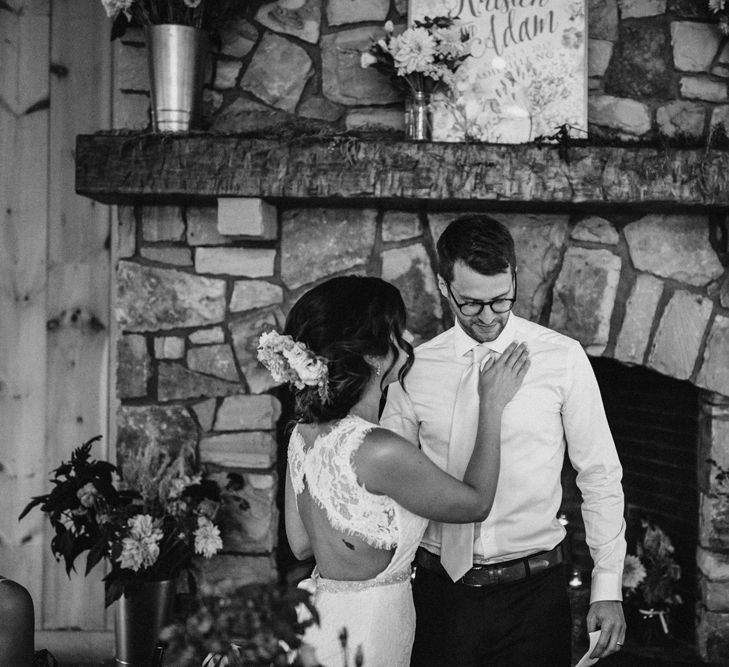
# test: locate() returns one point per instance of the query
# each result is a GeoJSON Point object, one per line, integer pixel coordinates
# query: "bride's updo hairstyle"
{"type": "Point", "coordinates": [344, 319]}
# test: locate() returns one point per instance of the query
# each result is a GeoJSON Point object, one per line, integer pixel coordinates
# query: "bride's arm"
{"type": "Point", "coordinates": [390, 465]}
{"type": "Point", "coordinates": [295, 532]}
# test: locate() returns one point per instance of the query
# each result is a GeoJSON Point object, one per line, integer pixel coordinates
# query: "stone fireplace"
{"type": "Point", "coordinates": [624, 249]}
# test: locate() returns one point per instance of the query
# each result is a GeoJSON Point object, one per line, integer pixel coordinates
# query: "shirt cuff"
{"type": "Point", "coordinates": [606, 586]}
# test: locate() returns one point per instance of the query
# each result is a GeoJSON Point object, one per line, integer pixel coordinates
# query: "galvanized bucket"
{"type": "Point", "coordinates": [140, 617]}
{"type": "Point", "coordinates": [176, 56]}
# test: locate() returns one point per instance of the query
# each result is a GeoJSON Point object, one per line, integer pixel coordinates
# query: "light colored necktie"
{"type": "Point", "coordinates": [456, 551]}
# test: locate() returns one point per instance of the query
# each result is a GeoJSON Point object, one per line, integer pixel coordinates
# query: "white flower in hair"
{"type": "Point", "coordinates": [290, 361]}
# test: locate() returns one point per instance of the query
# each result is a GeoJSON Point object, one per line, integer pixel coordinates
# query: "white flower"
{"type": "Point", "coordinates": [207, 538]}
{"type": "Point", "coordinates": [312, 372]}
{"type": "Point", "coordinates": [87, 494]}
{"type": "Point", "coordinates": [633, 572]}
{"type": "Point", "coordinates": [113, 7]}
{"type": "Point", "coordinates": [193, 4]}
{"type": "Point", "coordinates": [137, 554]}
{"type": "Point", "coordinates": [141, 548]}
{"type": "Point", "coordinates": [141, 526]}
{"type": "Point", "coordinates": [309, 369]}
{"type": "Point", "coordinates": [290, 361]}
{"type": "Point", "coordinates": [390, 26]}
{"type": "Point", "coordinates": [367, 59]}
{"type": "Point", "coordinates": [449, 43]}
{"type": "Point", "coordinates": [716, 5]}
{"type": "Point", "coordinates": [414, 52]}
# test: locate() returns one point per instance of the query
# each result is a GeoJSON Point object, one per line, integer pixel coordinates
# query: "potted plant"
{"type": "Point", "coordinates": [649, 581]}
{"type": "Point", "coordinates": [147, 521]}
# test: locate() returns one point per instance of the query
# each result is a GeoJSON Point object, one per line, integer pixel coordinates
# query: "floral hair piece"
{"type": "Point", "coordinates": [290, 361]}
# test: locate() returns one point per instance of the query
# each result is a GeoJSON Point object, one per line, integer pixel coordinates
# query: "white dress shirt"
{"type": "Point", "coordinates": [559, 402]}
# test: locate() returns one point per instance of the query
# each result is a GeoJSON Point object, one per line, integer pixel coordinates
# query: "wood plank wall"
{"type": "Point", "coordinates": [24, 122]}
{"type": "Point", "coordinates": [55, 83]}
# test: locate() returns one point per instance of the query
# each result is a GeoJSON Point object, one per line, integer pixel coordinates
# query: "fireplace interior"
{"type": "Point", "coordinates": [654, 420]}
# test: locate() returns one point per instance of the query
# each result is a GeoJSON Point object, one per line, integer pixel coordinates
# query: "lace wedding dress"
{"type": "Point", "coordinates": [378, 613]}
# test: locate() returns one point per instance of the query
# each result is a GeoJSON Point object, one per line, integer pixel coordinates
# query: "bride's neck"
{"type": "Point", "coordinates": [368, 407]}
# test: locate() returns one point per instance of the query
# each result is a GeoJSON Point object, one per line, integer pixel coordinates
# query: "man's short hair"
{"type": "Point", "coordinates": [480, 242]}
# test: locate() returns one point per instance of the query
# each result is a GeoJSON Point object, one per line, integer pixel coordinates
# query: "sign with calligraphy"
{"type": "Point", "coordinates": [527, 74]}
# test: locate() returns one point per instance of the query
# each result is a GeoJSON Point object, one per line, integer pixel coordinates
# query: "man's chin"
{"type": "Point", "coordinates": [486, 334]}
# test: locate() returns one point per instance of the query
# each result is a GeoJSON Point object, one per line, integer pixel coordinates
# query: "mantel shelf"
{"type": "Point", "coordinates": [113, 168]}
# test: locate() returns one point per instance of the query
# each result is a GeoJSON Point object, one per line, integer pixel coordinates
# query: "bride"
{"type": "Point", "coordinates": [358, 497]}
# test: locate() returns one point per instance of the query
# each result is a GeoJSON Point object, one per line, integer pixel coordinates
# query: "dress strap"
{"type": "Point", "coordinates": [296, 457]}
{"type": "Point", "coordinates": [327, 469]}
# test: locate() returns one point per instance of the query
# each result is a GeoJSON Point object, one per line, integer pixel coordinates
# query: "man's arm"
{"type": "Point", "coordinates": [592, 452]}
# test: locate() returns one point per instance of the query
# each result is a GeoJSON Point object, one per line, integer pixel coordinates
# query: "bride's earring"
{"type": "Point", "coordinates": [378, 370]}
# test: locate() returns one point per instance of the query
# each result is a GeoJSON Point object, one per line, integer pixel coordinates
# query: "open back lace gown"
{"type": "Point", "coordinates": [377, 613]}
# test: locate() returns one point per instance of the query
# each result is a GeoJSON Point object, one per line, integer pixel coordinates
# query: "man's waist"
{"type": "Point", "coordinates": [503, 572]}
{"type": "Point", "coordinates": [485, 550]}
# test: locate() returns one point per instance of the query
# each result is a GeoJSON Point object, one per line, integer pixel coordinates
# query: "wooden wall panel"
{"type": "Point", "coordinates": [78, 281]}
{"type": "Point", "coordinates": [24, 123]}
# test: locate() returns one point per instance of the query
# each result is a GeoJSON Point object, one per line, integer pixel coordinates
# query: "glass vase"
{"type": "Point", "coordinates": [418, 117]}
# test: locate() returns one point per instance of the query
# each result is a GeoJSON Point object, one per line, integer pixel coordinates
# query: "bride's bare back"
{"type": "Point", "coordinates": [345, 543]}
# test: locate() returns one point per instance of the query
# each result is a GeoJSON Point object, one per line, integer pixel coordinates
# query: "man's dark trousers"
{"type": "Point", "coordinates": [525, 623]}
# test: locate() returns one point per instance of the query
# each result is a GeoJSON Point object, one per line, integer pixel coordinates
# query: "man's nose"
{"type": "Point", "coordinates": [487, 315]}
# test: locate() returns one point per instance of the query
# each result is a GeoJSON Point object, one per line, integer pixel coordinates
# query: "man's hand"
{"type": "Point", "coordinates": [607, 616]}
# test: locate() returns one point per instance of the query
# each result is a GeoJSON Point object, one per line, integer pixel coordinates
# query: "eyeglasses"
{"type": "Point", "coordinates": [475, 308]}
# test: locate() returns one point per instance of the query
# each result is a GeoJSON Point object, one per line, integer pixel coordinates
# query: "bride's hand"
{"type": "Point", "coordinates": [500, 379]}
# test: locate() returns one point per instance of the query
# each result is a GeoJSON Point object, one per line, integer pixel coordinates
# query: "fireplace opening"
{"type": "Point", "coordinates": [654, 422]}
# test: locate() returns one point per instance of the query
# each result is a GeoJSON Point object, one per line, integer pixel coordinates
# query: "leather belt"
{"type": "Point", "coordinates": [496, 573]}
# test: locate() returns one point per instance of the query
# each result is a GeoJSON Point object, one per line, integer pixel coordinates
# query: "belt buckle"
{"type": "Point", "coordinates": [483, 571]}
{"type": "Point", "coordinates": [539, 564]}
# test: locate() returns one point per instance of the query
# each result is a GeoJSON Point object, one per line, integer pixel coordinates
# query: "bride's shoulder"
{"type": "Point", "coordinates": [385, 443]}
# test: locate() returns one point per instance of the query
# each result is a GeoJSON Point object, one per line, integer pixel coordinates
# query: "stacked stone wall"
{"type": "Point", "coordinates": [657, 71]}
{"type": "Point", "coordinates": [191, 302]}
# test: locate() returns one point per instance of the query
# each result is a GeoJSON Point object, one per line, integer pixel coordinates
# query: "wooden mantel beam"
{"type": "Point", "coordinates": [114, 168]}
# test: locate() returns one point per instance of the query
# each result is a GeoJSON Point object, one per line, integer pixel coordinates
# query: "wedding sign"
{"type": "Point", "coordinates": [527, 73]}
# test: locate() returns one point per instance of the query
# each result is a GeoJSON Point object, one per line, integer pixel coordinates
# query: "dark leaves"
{"type": "Point", "coordinates": [119, 26]}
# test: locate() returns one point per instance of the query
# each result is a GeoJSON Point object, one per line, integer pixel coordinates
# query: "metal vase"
{"type": "Point", "coordinates": [176, 55]}
{"type": "Point", "coordinates": [418, 117]}
{"type": "Point", "coordinates": [140, 616]}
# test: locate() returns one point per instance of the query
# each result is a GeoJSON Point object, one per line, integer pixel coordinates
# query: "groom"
{"type": "Point", "coordinates": [495, 593]}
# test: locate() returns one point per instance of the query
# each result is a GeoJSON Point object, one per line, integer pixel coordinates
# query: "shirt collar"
{"type": "Point", "coordinates": [463, 343]}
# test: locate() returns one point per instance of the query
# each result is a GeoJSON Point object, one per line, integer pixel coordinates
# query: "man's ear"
{"type": "Point", "coordinates": [442, 285]}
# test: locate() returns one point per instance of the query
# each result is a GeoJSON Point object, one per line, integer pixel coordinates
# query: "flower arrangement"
{"type": "Point", "coordinates": [202, 14]}
{"type": "Point", "coordinates": [254, 624]}
{"type": "Point", "coordinates": [290, 361]}
{"type": "Point", "coordinates": [721, 8]}
{"type": "Point", "coordinates": [649, 575]}
{"type": "Point", "coordinates": [423, 56]}
{"type": "Point", "coordinates": [148, 523]}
